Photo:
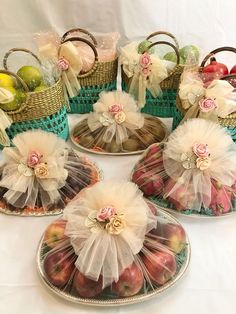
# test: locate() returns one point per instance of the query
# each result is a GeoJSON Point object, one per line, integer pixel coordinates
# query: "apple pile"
{"type": "Point", "coordinates": [185, 53]}
{"type": "Point", "coordinates": [155, 265]}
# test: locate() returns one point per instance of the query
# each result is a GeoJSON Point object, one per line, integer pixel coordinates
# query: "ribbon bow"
{"type": "Point", "coordinates": [216, 100]}
{"type": "Point", "coordinates": [146, 72]}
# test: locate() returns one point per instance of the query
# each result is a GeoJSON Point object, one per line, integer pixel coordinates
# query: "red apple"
{"type": "Point", "coordinates": [153, 186]}
{"type": "Point", "coordinates": [59, 266]}
{"type": "Point", "coordinates": [130, 281]}
{"type": "Point", "coordinates": [160, 265]}
{"type": "Point", "coordinates": [139, 176]}
{"type": "Point", "coordinates": [233, 70]}
{"type": "Point", "coordinates": [86, 287]}
{"type": "Point", "coordinates": [220, 199]}
{"type": "Point", "coordinates": [55, 233]}
{"type": "Point", "coordinates": [174, 236]}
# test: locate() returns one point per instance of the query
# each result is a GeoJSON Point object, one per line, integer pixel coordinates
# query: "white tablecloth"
{"type": "Point", "coordinates": [208, 287]}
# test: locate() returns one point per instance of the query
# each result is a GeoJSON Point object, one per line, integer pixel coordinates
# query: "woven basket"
{"type": "Point", "coordinates": [163, 106]}
{"type": "Point", "coordinates": [101, 77]}
{"type": "Point", "coordinates": [42, 110]}
{"type": "Point", "coordinates": [230, 121]}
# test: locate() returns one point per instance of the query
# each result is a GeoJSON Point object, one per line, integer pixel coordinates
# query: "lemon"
{"type": "Point", "coordinates": [40, 88]}
{"type": "Point", "coordinates": [19, 98]}
{"type": "Point", "coordinates": [6, 80]}
{"type": "Point", "coordinates": [32, 76]}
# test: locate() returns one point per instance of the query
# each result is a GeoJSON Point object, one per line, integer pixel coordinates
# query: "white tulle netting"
{"type": "Point", "coordinates": [195, 168]}
{"type": "Point", "coordinates": [41, 171]}
{"type": "Point", "coordinates": [107, 251]}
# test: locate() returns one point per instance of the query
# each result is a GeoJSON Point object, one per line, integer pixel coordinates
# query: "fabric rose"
{"type": "Point", "coordinates": [105, 213]}
{"type": "Point", "coordinates": [106, 119]}
{"type": "Point", "coordinates": [41, 170]}
{"type": "Point", "coordinates": [207, 104]}
{"type": "Point", "coordinates": [201, 150]}
{"type": "Point", "coordinates": [203, 163]}
{"type": "Point", "coordinates": [116, 224]}
{"type": "Point", "coordinates": [120, 117]}
{"type": "Point", "coordinates": [34, 158]}
{"type": "Point", "coordinates": [145, 60]}
{"type": "Point", "coordinates": [115, 108]}
{"type": "Point", "coordinates": [63, 64]}
{"type": "Point", "coordinates": [146, 71]}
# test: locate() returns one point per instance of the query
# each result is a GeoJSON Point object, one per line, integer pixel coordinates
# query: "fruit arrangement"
{"type": "Point", "coordinates": [73, 173]}
{"type": "Point", "coordinates": [188, 53]}
{"type": "Point", "coordinates": [117, 126]}
{"type": "Point", "coordinates": [138, 140]}
{"type": "Point", "coordinates": [161, 258]}
{"type": "Point", "coordinates": [166, 174]}
{"type": "Point", "coordinates": [217, 70]}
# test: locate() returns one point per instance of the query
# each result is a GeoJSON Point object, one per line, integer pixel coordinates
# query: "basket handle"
{"type": "Point", "coordinates": [8, 53]}
{"type": "Point", "coordinates": [81, 30]}
{"type": "Point", "coordinates": [95, 64]}
{"type": "Point", "coordinates": [164, 33]}
{"type": "Point", "coordinates": [172, 46]}
{"type": "Point", "coordinates": [213, 52]}
{"type": "Point", "coordinates": [24, 86]}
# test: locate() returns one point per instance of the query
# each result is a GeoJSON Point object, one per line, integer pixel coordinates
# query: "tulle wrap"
{"type": "Point", "coordinates": [222, 166]}
{"type": "Point", "coordinates": [115, 128]}
{"type": "Point", "coordinates": [20, 178]}
{"type": "Point", "coordinates": [193, 90]}
{"type": "Point", "coordinates": [157, 71]}
{"type": "Point", "coordinates": [5, 122]}
{"type": "Point", "coordinates": [194, 170]}
{"type": "Point", "coordinates": [100, 252]}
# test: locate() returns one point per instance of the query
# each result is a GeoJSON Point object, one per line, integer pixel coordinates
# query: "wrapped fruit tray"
{"type": "Point", "coordinates": [107, 298]}
{"type": "Point", "coordinates": [95, 175]}
{"type": "Point", "coordinates": [158, 130]}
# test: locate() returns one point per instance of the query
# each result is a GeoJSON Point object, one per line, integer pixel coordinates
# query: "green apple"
{"type": "Point", "coordinates": [32, 76]}
{"type": "Point", "coordinates": [171, 56]}
{"type": "Point", "coordinates": [18, 98]}
{"type": "Point", "coordinates": [189, 51]}
{"type": "Point", "coordinates": [41, 87]}
{"type": "Point", "coordinates": [143, 46]}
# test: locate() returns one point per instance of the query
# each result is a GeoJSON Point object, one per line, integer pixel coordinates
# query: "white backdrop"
{"type": "Point", "coordinates": [210, 285]}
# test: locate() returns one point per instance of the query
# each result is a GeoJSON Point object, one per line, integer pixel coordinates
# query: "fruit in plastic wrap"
{"type": "Point", "coordinates": [130, 281]}
{"type": "Point", "coordinates": [221, 199]}
{"type": "Point", "coordinates": [86, 287]}
{"type": "Point", "coordinates": [54, 234]}
{"type": "Point", "coordinates": [31, 75]}
{"type": "Point", "coordinates": [160, 265]}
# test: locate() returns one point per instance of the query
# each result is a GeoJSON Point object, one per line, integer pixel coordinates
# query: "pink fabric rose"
{"type": "Point", "coordinates": [201, 150]}
{"type": "Point", "coordinates": [207, 104]}
{"type": "Point", "coordinates": [34, 159]}
{"type": "Point", "coordinates": [145, 60]}
{"type": "Point", "coordinates": [105, 213]}
{"type": "Point", "coordinates": [146, 71]}
{"type": "Point", "coordinates": [63, 64]}
{"type": "Point", "coordinates": [115, 108]}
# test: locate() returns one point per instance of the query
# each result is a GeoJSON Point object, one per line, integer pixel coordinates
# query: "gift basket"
{"type": "Point", "coordinates": [193, 173]}
{"type": "Point", "coordinates": [112, 247]}
{"type": "Point", "coordinates": [41, 175]}
{"type": "Point", "coordinates": [88, 64]}
{"type": "Point", "coordinates": [208, 92]}
{"type": "Point", "coordinates": [31, 99]}
{"type": "Point", "coordinates": [154, 81]}
{"type": "Point", "coordinates": [117, 127]}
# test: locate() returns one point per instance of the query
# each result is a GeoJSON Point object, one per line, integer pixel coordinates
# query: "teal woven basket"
{"type": "Point", "coordinates": [89, 95]}
{"type": "Point", "coordinates": [163, 106]}
{"type": "Point", "coordinates": [56, 123]}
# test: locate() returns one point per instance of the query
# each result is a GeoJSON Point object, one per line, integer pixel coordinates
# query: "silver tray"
{"type": "Point", "coordinates": [137, 152]}
{"type": "Point", "coordinates": [116, 301]}
{"type": "Point", "coordinates": [54, 212]}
